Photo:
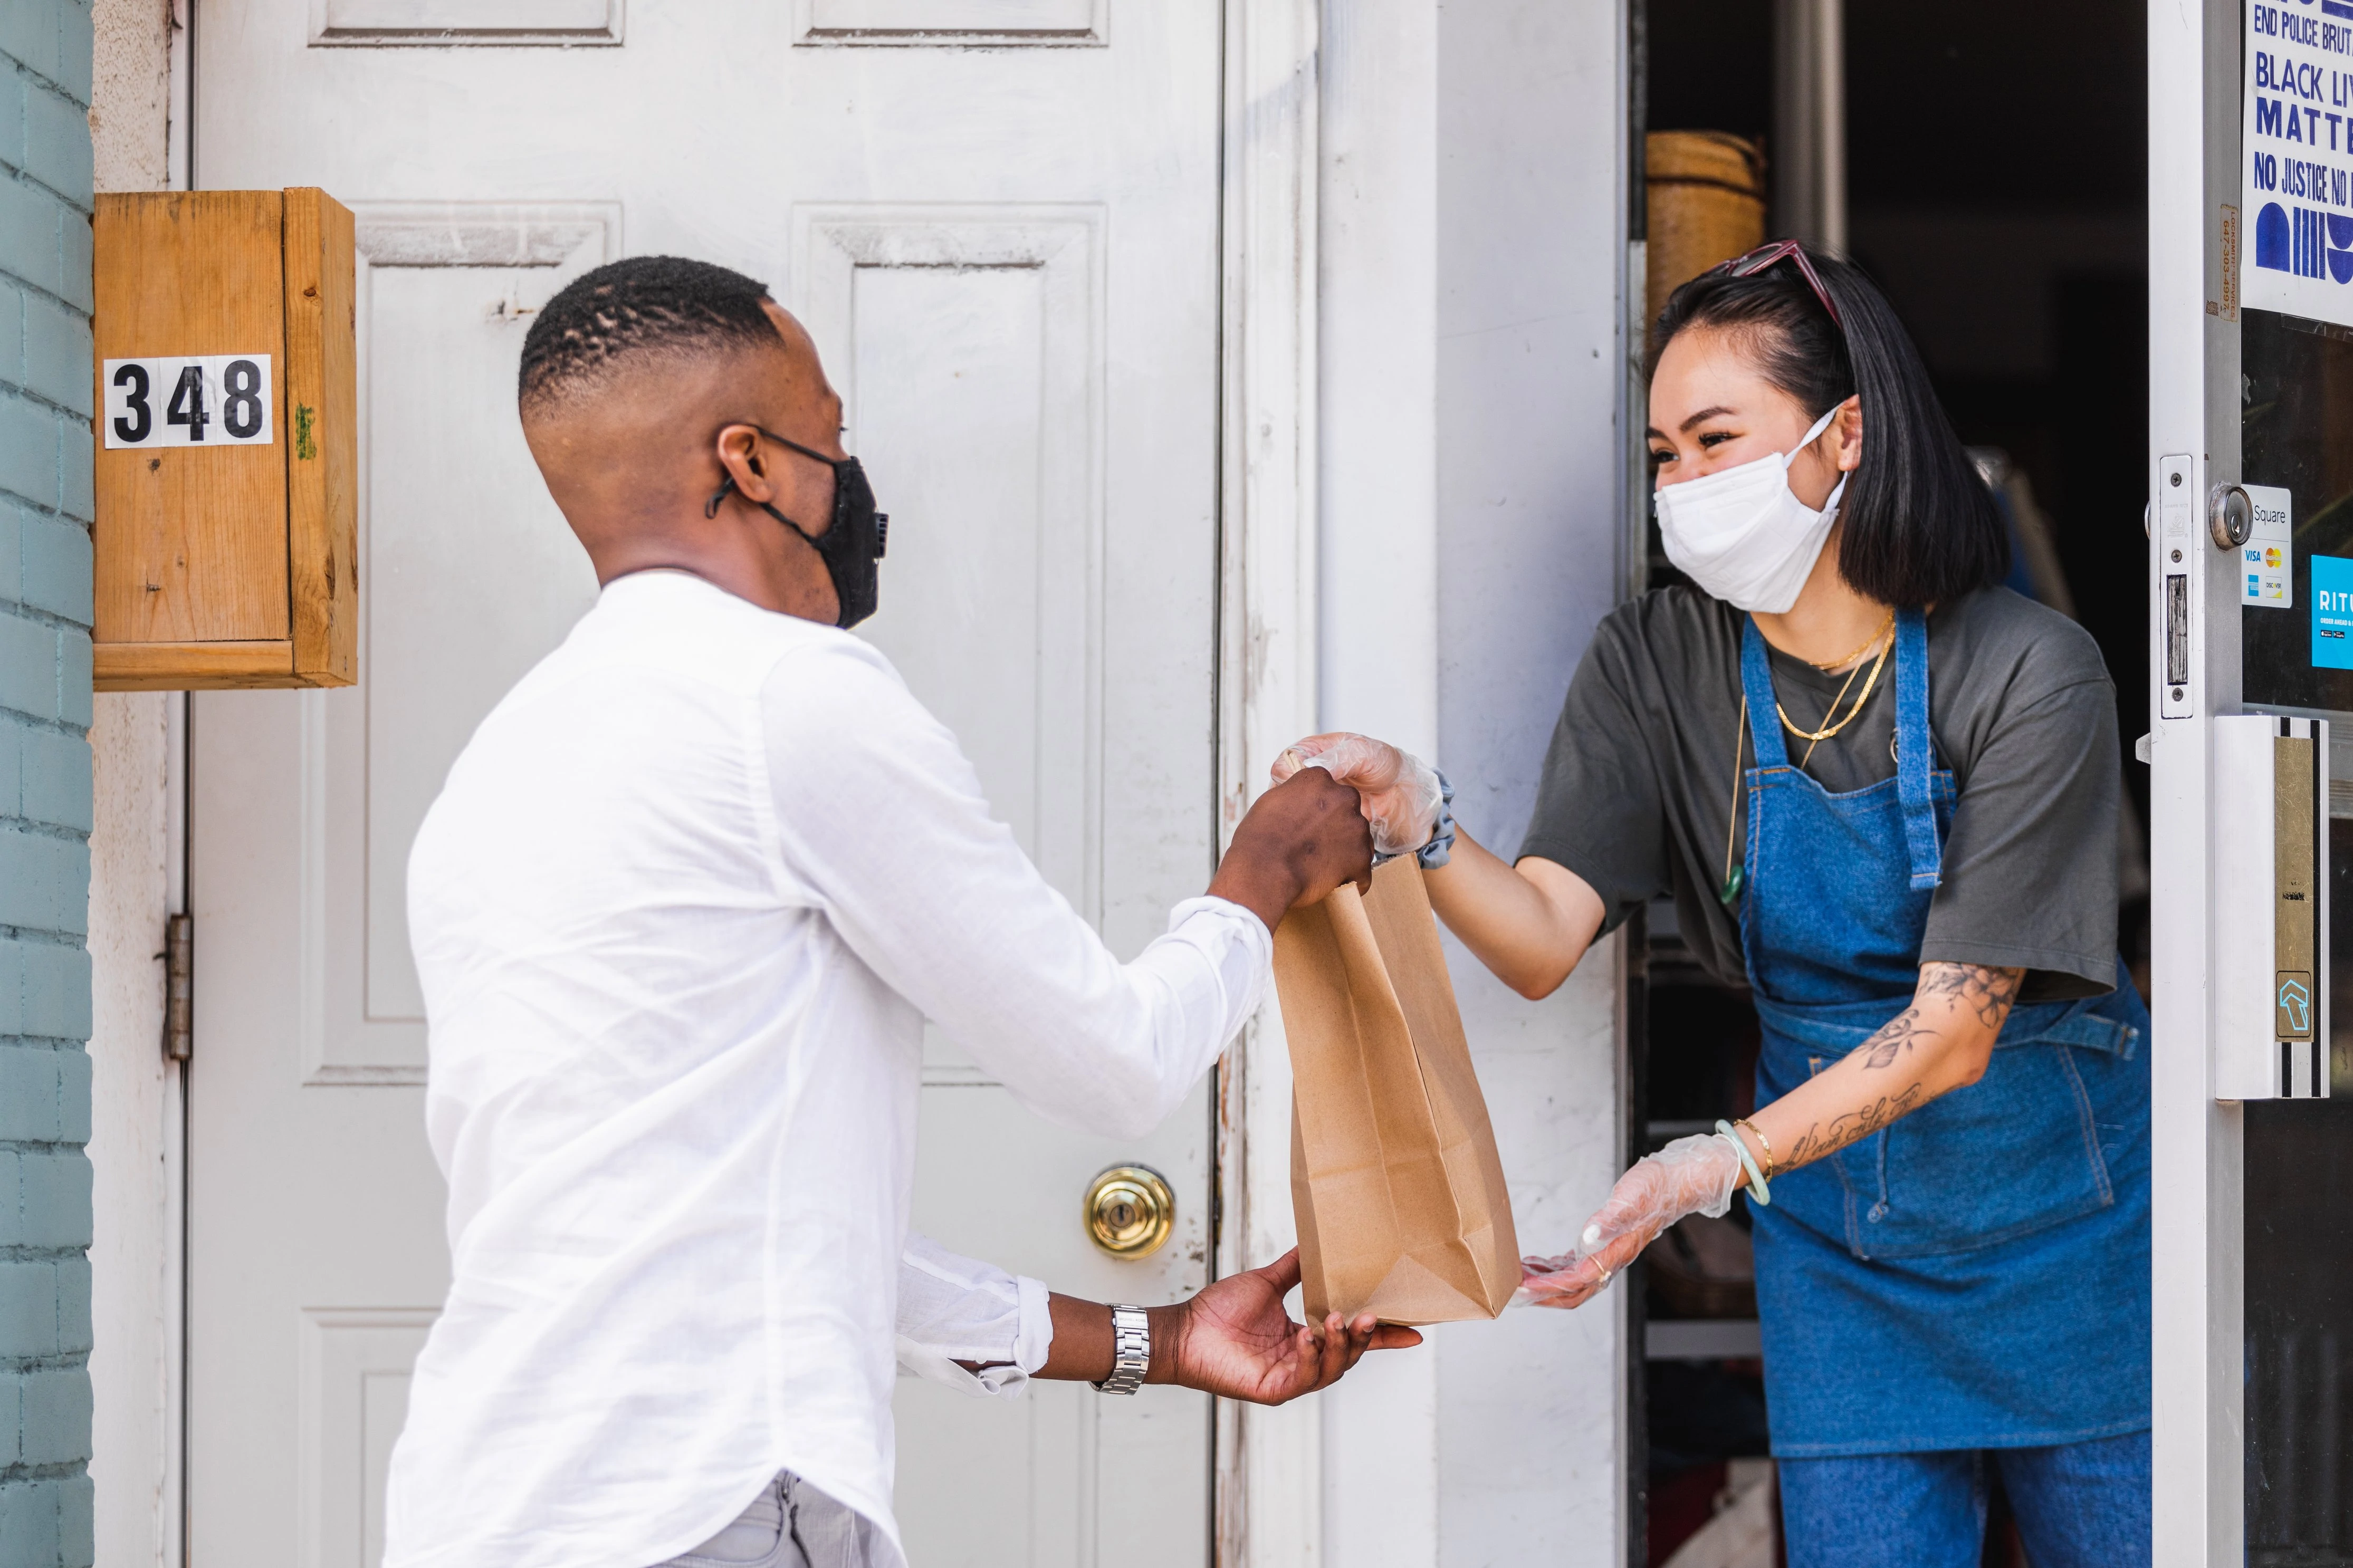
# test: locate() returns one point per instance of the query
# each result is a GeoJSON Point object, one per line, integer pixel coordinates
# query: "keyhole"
{"type": "Point", "coordinates": [1122, 1215]}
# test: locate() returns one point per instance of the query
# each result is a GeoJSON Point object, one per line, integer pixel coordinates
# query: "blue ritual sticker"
{"type": "Point", "coordinates": [2332, 613]}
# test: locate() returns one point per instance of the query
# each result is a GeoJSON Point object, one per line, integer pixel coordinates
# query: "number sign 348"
{"type": "Point", "coordinates": [194, 400]}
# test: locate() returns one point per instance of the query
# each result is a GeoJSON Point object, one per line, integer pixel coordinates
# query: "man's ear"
{"type": "Point", "coordinates": [738, 450]}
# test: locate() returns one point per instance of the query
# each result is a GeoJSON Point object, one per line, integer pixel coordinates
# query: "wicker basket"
{"type": "Point", "coordinates": [1705, 194]}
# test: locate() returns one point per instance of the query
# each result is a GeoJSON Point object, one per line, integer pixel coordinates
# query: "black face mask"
{"type": "Point", "coordinates": [850, 546]}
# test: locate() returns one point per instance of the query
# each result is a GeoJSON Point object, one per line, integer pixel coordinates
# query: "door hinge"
{"type": "Point", "coordinates": [179, 986]}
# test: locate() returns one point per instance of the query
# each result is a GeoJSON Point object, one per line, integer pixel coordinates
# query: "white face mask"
{"type": "Point", "coordinates": [1743, 535]}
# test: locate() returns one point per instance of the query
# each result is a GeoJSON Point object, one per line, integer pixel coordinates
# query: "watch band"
{"type": "Point", "coordinates": [1441, 847]}
{"type": "Point", "coordinates": [1131, 1351]}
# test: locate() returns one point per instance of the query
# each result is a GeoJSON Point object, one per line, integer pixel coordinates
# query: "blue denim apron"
{"type": "Point", "coordinates": [1976, 1275]}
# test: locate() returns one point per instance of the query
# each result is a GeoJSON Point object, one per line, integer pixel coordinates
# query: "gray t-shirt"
{"type": "Point", "coordinates": [1639, 785]}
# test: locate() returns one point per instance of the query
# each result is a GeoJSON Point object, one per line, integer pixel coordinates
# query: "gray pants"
{"type": "Point", "coordinates": [790, 1524]}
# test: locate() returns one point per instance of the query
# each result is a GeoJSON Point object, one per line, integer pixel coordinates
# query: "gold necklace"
{"type": "Point", "coordinates": [1868, 644]}
{"type": "Point", "coordinates": [1828, 729]}
{"type": "Point", "coordinates": [1729, 891]}
{"type": "Point", "coordinates": [1826, 713]}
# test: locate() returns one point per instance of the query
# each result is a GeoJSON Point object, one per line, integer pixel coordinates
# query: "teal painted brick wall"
{"type": "Point", "coordinates": [46, 1504]}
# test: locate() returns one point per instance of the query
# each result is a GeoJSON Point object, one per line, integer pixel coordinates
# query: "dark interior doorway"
{"type": "Point", "coordinates": [2022, 275]}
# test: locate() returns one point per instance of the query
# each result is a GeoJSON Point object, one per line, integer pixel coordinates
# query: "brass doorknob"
{"type": "Point", "coordinates": [1129, 1211]}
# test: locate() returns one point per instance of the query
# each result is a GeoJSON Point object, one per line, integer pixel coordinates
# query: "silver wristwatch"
{"type": "Point", "coordinates": [1131, 1333]}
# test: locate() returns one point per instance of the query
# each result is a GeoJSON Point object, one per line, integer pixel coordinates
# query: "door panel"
{"type": "Point", "coordinates": [962, 1456]}
{"type": "Point", "coordinates": [444, 645]}
{"type": "Point", "coordinates": [969, 348]}
{"type": "Point", "coordinates": [442, 311]}
{"type": "Point", "coordinates": [1008, 258]}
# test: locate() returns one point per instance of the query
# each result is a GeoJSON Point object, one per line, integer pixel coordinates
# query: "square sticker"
{"type": "Point", "coordinates": [2332, 613]}
{"type": "Point", "coordinates": [2268, 557]}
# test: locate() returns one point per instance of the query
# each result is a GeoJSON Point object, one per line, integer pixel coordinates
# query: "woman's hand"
{"type": "Point", "coordinates": [1690, 1175]}
{"type": "Point", "coordinates": [1401, 793]}
{"type": "Point", "coordinates": [1530, 922]}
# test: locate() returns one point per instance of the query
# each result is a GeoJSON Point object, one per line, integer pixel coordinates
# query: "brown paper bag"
{"type": "Point", "coordinates": [1395, 1181]}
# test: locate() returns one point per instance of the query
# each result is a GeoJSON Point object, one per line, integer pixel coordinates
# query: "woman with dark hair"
{"type": "Point", "coordinates": [1883, 791]}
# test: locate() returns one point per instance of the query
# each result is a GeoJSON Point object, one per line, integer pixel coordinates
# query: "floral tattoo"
{"type": "Point", "coordinates": [1945, 988]}
{"type": "Point", "coordinates": [1987, 991]}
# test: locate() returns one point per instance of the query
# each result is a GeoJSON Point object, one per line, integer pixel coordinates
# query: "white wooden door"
{"type": "Point", "coordinates": [999, 219]}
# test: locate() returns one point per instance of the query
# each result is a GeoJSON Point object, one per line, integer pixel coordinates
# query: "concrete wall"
{"type": "Point", "coordinates": [1471, 368]}
{"type": "Point", "coordinates": [45, 781]}
{"type": "Point", "coordinates": [131, 1253]}
{"type": "Point", "coordinates": [130, 100]}
{"type": "Point", "coordinates": [133, 1110]}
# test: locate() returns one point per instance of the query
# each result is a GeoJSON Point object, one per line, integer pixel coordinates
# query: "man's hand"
{"type": "Point", "coordinates": [1235, 1340]}
{"type": "Point", "coordinates": [1301, 839]}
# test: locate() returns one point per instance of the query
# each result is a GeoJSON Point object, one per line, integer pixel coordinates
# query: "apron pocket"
{"type": "Point", "coordinates": [2013, 1153]}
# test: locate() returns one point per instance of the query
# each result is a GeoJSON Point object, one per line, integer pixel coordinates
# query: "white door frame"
{"type": "Point", "coordinates": [1269, 1465]}
{"type": "Point", "coordinates": [2196, 1204]}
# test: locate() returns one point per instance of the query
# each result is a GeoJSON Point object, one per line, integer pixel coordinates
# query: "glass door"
{"type": "Point", "coordinates": [2250, 466]}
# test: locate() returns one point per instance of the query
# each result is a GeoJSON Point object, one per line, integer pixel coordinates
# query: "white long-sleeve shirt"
{"type": "Point", "coordinates": [680, 913]}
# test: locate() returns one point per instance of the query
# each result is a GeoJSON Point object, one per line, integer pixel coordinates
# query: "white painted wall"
{"type": "Point", "coordinates": [1531, 245]}
{"type": "Point", "coordinates": [1376, 313]}
{"type": "Point", "coordinates": [133, 1110]}
{"type": "Point", "coordinates": [1473, 366]}
{"type": "Point", "coordinates": [1377, 340]}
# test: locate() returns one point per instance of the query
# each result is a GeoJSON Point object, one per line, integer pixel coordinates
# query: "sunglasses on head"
{"type": "Point", "coordinates": [1764, 256]}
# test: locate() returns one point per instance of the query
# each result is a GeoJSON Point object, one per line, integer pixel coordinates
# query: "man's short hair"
{"type": "Point", "coordinates": [641, 307]}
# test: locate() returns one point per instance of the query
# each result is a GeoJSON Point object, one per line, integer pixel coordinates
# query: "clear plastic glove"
{"type": "Point", "coordinates": [1690, 1175]}
{"type": "Point", "coordinates": [1400, 791]}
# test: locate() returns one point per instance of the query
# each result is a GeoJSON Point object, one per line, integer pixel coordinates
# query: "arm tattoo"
{"type": "Point", "coordinates": [1986, 992]}
{"type": "Point", "coordinates": [1861, 1122]}
{"type": "Point", "coordinates": [1895, 1037]}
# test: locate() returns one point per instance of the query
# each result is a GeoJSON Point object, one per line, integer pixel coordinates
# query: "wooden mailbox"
{"type": "Point", "coordinates": [227, 441]}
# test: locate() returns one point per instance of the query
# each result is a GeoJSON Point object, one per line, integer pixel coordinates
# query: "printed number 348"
{"type": "Point", "coordinates": [242, 408]}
